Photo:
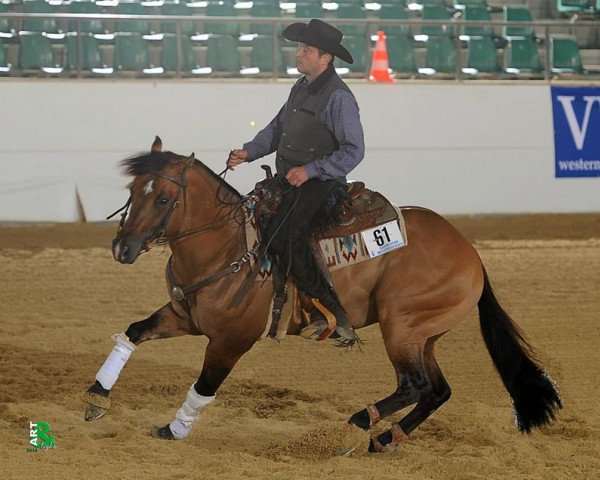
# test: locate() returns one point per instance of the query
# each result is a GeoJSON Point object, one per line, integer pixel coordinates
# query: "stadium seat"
{"type": "Point", "coordinates": [393, 12]}
{"type": "Point", "coordinates": [463, 4]}
{"type": "Point", "coordinates": [221, 9]}
{"type": "Point", "coordinates": [6, 30]}
{"type": "Point", "coordinates": [35, 53]}
{"type": "Point", "coordinates": [477, 14]}
{"type": "Point", "coordinates": [522, 56]}
{"type": "Point", "coordinates": [169, 54]}
{"type": "Point", "coordinates": [483, 58]}
{"type": "Point", "coordinates": [565, 56]}
{"type": "Point", "coordinates": [350, 12]}
{"type": "Point", "coordinates": [222, 55]}
{"type": "Point", "coordinates": [5, 67]}
{"type": "Point", "coordinates": [440, 56]}
{"type": "Point", "coordinates": [401, 57]}
{"type": "Point", "coordinates": [428, 3]}
{"type": "Point", "coordinates": [436, 12]}
{"type": "Point", "coordinates": [517, 14]}
{"type": "Point", "coordinates": [131, 54]}
{"type": "Point", "coordinates": [47, 25]}
{"type": "Point", "coordinates": [262, 60]}
{"type": "Point", "coordinates": [180, 9]}
{"type": "Point", "coordinates": [357, 46]}
{"type": "Point", "coordinates": [87, 26]}
{"type": "Point", "coordinates": [262, 9]}
{"type": "Point", "coordinates": [309, 10]}
{"type": "Point", "coordinates": [131, 26]}
{"type": "Point", "coordinates": [91, 57]}
{"type": "Point", "coordinates": [400, 3]}
{"type": "Point", "coordinates": [575, 6]}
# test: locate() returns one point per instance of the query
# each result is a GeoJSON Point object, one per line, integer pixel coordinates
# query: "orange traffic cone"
{"type": "Point", "coordinates": [380, 65]}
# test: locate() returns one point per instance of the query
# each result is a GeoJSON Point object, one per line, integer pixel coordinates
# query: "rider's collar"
{"type": "Point", "coordinates": [317, 83]}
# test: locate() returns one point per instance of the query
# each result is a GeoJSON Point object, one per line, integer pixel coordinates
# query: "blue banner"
{"type": "Point", "coordinates": [576, 113]}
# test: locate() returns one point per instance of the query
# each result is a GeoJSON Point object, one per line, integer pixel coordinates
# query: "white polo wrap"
{"type": "Point", "coordinates": [117, 358]}
{"type": "Point", "coordinates": [188, 413]}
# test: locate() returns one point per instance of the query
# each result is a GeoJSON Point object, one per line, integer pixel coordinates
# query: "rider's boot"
{"type": "Point", "coordinates": [328, 319]}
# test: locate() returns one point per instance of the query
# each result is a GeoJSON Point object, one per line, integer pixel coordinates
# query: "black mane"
{"type": "Point", "coordinates": [142, 163]}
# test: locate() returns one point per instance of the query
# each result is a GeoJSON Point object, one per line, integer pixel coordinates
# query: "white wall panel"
{"type": "Point", "coordinates": [456, 148]}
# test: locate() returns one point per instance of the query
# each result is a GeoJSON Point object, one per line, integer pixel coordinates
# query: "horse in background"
{"type": "Point", "coordinates": [415, 294]}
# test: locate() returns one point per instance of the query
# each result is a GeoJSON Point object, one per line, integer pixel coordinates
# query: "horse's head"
{"type": "Point", "coordinates": [159, 182]}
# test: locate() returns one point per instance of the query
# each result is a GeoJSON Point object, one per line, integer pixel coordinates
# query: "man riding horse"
{"type": "Point", "coordinates": [319, 139]}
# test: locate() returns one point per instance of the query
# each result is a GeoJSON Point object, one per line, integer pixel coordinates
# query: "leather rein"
{"type": "Point", "coordinates": [158, 237]}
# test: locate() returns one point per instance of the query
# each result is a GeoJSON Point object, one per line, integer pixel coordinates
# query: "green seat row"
{"type": "Point", "coordinates": [521, 55]}
{"type": "Point", "coordinates": [473, 10]}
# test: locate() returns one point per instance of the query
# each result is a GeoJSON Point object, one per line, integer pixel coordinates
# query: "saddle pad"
{"type": "Point", "coordinates": [339, 252]}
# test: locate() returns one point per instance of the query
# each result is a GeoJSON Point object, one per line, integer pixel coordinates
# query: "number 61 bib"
{"type": "Point", "coordinates": [383, 238]}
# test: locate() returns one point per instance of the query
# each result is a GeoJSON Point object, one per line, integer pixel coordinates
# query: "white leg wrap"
{"type": "Point", "coordinates": [117, 358]}
{"type": "Point", "coordinates": [188, 413]}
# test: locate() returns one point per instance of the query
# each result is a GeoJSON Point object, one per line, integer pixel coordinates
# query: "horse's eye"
{"type": "Point", "coordinates": [163, 201]}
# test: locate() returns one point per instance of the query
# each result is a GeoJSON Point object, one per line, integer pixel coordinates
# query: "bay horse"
{"type": "Point", "coordinates": [415, 293]}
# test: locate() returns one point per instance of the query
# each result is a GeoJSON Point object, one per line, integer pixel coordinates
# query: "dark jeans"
{"type": "Point", "coordinates": [289, 244]}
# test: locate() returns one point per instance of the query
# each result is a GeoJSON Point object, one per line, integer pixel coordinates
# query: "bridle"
{"type": "Point", "coordinates": [158, 235]}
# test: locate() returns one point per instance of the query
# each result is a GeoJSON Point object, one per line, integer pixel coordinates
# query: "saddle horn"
{"type": "Point", "coordinates": [268, 171]}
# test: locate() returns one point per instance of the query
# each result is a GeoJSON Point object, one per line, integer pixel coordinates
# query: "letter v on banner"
{"type": "Point", "coordinates": [576, 113]}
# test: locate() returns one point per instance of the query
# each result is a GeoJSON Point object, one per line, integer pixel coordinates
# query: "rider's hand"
{"type": "Point", "coordinates": [296, 176]}
{"type": "Point", "coordinates": [236, 157]}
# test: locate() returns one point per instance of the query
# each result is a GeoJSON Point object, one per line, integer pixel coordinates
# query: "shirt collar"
{"type": "Point", "coordinates": [317, 83]}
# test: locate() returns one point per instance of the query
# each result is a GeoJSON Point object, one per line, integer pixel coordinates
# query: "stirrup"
{"type": "Point", "coordinates": [329, 318]}
{"type": "Point", "coordinates": [326, 327]}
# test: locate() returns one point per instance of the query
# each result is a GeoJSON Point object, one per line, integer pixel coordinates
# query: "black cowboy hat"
{"type": "Point", "coordinates": [318, 34]}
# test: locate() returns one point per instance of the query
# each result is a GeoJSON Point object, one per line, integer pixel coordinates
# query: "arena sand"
{"type": "Point", "coordinates": [282, 412]}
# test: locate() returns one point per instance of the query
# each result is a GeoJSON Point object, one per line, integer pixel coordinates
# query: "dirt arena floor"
{"type": "Point", "coordinates": [282, 412]}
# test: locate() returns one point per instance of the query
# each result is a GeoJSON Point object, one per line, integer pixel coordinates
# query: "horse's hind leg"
{"type": "Point", "coordinates": [433, 392]}
{"type": "Point", "coordinates": [411, 381]}
{"type": "Point", "coordinates": [164, 323]}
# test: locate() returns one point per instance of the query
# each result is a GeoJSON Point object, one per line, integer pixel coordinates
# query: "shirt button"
{"type": "Point", "coordinates": [284, 134]}
{"type": "Point", "coordinates": [294, 110]}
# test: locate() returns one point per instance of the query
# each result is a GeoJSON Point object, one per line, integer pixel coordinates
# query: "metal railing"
{"type": "Point", "coordinates": [370, 26]}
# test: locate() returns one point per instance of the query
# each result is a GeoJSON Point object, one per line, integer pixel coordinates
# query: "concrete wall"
{"type": "Point", "coordinates": [456, 148]}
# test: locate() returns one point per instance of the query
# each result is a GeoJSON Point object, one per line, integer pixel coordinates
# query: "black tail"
{"type": "Point", "coordinates": [534, 394]}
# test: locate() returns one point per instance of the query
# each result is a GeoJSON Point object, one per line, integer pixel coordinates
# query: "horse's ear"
{"type": "Point", "coordinates": [156, 145]}
{"type": "Point", "coordinates": [190, 160]}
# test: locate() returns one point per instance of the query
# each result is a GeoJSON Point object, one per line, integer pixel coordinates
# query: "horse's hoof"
{"type": "Point", "coordinates": [96, 405]}
{"type": "Point", "coordinates": [376, 447]}
{"type": "Point", "coordinates": [345, 452]}
{"type": "Point", "coordinates": [93, 412]}
{"type": "Point", "coordinates": [164, 433]}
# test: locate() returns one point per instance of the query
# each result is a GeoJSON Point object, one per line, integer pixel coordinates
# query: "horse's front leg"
{"type": "Point", "coordinates": [164, 323]}
{"type": "Point", "coordinates": [219, 359]}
